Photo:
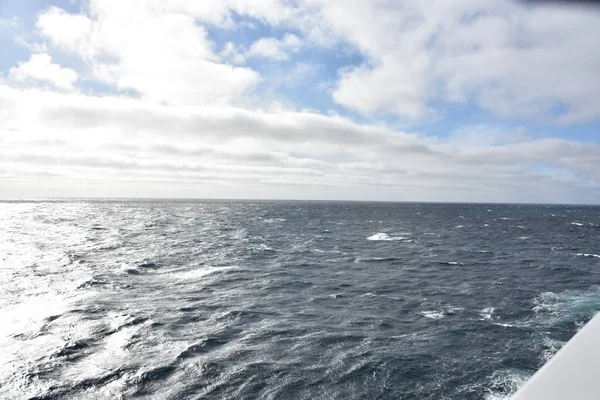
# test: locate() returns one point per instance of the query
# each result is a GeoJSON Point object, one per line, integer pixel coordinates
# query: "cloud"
{"type": "Point", "coordinates": [275, 49]}
{"type": "Point", "coordinates": [233, 52]}
{"type": "Point", "coordinates": [110, 139]}
{"type": "Point", "coordinates": [14, 22]}
{"type": "Point", "coordinates": [222, 12]}
{"type": "Point", "coordinates": [159, 53]}
{"type": "Point", "coordinates": [484, 135]}
{"type": "Point", "coordinates": [40, 69]}
{"type": "Point", "coordinates": [515, 61]}
{"type": "Point", "coordinates": [193, 109]}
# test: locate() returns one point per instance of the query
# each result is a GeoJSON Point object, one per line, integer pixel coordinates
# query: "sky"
{"type": "Point", "coordinates": [390, 100]}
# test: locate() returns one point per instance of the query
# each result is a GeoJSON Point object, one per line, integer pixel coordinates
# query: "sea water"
{"type": "Point", "coordinates": [305, 300]}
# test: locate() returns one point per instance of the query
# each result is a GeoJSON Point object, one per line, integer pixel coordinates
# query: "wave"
{"type": "Point", "coordinates": [432, 314]}
{"type": "Point", "coordinates": [450, 310]}
{"type": "Point", "coordinates": [383, 295]}
{"type": "Point", "coordinates": [376, 259]}
{"type": "Point", "coordinates": [568, 307]}
{"type": "Point", "coordinates": [504, 325]}
{"type": "Point", "coordinates": [273, 220]}
{"type": "Point", "coordinates": [551, 346]}
{"type": "Point", "coordinates": [139, 269]}
{"type": "Point", "coordinates": [385, 237]}
{"type": "Point", "coordinates": [487, 313]}
{"type": "Point", "coordinates": [444, 312]}
{"type": "Point", "coordinates": [263, 247]}
{"type": "Point", "coordinates": [326, 251]}
{"type": "Point", "coordinates": [450, 263]}
{"type": "Point", "coordinates": [504, 383]}
{"type": "Point", "coordinates": [588, 255]}
{"type": "Point", "coordinates": [191, 274]}
{"type": "Point", "coordinates": [111, 245]}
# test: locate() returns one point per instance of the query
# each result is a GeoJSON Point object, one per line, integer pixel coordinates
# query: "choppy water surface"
{"type": "Point", "coordinates": [272, 300]}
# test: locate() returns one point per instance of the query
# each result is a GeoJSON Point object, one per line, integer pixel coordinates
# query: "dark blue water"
{"type": "Point", "coordinates": [272, 300]}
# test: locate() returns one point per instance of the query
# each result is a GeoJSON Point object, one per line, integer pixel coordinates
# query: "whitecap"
{"type": "Point", "coordinates": [383, 296]}
{"type": "Point", "coordinates": [450, 310]}
{"type": "Point", "coordinates": [273, 220]}
{"type": "Point", "coordinates": [326, 251]}
{"type": "Point", "coordinates": [577, 223]}
{"type": "Point", "coordinates": [190, 274]}
{"type": "Point", "coordinates": [432, 314]}
{"type": "Point", "coordinates": [374, 259]}
{"type": "Point", "coordinates": [568, 306]}
{"type": "Point", "coordinates": [551, 346]}
{"type": "Point", "coordinates": [487, 313]}
{"type": "Point", "coordinates": [264, 247]}
{"type": "Point", "coordinates": [505, 383]}
{"type": "Point", "coordinates": [384, 237]}
{"type": "Point", "coordinates": [588, 255]}
{"type": "Point", "coordinates": [450, 263]}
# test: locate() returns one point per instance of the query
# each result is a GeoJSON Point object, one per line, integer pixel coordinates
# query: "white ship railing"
{"type": "Point", "coordinates": [573, 373]}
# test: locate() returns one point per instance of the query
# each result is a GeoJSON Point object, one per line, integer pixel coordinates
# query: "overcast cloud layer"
{"type": "Point", "coordinates": [432, 100]}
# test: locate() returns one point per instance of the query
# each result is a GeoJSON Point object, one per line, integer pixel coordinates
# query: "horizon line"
{"type": "Point", "coordinates": [216, 199]}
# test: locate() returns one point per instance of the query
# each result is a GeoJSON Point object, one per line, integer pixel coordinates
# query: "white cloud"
{"type": "Point", "coordinates": [14, 22]}
{"type": "Point", "coordinates": [513, 60]}
{"type": "Point", "coordinates": [40, 68]}
{"type": "Point", "coordinates": [233, 52]}
{"type": "Point", "coordinates": [68, 31]}
{"type": "Point", "coordinates": [220, 12]}
{"type": "Point", "coordinates": [161, 54]}
{"type": "Point", "coordinates": [273, 48]}
{"type": "Point", "coordinates": [185, 131]}
{"type": "Point", "coordinates": [107, 140]}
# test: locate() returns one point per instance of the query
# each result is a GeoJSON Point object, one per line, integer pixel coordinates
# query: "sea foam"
{"type": "Point", "coordinates": [385, 237]}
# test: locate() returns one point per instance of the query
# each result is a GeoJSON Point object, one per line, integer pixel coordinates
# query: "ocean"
{"type": "Point", "coordinates": [160, 299]}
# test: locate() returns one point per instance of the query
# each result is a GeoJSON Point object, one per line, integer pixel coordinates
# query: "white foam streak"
{"type": "Point", "coordinates": [432, 314]}
{"type": "Point", "coordinates": [588, 255]}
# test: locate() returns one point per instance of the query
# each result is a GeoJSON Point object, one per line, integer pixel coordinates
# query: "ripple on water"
{"type": "Point", "coordinates": [165, 300]}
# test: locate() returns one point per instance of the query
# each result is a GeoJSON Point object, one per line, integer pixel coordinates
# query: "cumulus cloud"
{"type": "Point", "coordinates": [159, 53]}
{"type": "Point", "coordinates": [512, 60]}
{"type": "Point", "coordinates": [516, 61]}
{"type": "Point", "coordinates": [40, 69]}
{"type": "Point", "coordinates": [275, 49]}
